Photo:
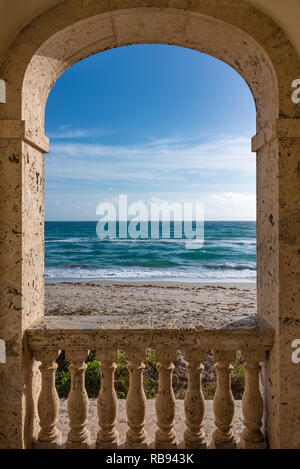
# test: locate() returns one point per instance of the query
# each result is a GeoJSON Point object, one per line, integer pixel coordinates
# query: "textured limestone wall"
{"type": "Point", "coordinates": [278, 240]}
{"type": "Point", "coordinates": [289, 283]}
{"type": "Point", "coordinates": [11, 291]}
{"type": "Point", "coordinates": [32, 274]}
{"type": "Point", "coordinates": [21, 276]}
{"type": "Point", "coordinates": [230, 30]}
{"type": "Point", "coordinates": [268, 273]}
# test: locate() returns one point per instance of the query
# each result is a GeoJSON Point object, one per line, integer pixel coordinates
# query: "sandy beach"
{"type": "Point", "coordinates": [212, 305]}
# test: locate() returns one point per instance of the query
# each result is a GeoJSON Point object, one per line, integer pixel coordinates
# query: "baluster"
{"type": "Point", "coordinates": [194, 403]}
{"type": "Point", "coordinates": [252, 402]}
{"type": "Point", "coordinates": [136, 437]}
{"type": "Point", "coordinates": [78, 402]}
{"type": "Point", "coordinates": [107, 437]}
{"type": "Point", "coordinates": [48, 402]}
{"type": "Point", "coordinates": [165, 437]}
{"type": "Point", "coordinates": [223, 436]}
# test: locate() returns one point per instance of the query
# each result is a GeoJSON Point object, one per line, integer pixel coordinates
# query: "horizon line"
{"type": "Point", "coordinates": [149, 221]}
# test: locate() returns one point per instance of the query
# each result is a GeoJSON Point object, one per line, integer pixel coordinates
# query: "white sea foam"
{"type": "Point", "coordinates": [229, 274]}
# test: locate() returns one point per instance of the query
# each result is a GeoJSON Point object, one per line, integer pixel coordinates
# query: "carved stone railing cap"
{"type": "Point", "coordinates": [96, 333]}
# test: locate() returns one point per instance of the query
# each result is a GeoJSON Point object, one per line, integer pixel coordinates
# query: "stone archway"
{"type": "Point", "coordinates": [232, 31]}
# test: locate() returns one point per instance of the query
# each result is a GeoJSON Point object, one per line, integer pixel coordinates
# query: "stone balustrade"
{"type": "Point", "coordinates": [79, 335]}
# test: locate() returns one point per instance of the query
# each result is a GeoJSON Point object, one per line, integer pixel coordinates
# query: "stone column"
{"type": "Point", "coordinates": [165, 437]}
{"type": "Point", "coordinates": [278, 299]}
{"type": "Point", "coordinates": [136, 437]}
{"type": "Point", "coordinates": [107, 437]}
{"type": "Point", "coordinates": [252, 403]}
{"type": "Point", "coordinates": [194, 403]}
{"type": "Point", "coordinates": [21, 277]}
{"type": "Point", "coordinates": [223, 436]}
{"type": "Point", "coordinates": [48, 404]}
{"type": "Point", "coordinates": [78, 401]}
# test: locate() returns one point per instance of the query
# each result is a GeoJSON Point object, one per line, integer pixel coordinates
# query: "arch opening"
{"type": "Point", "coordinates": [134, 136]}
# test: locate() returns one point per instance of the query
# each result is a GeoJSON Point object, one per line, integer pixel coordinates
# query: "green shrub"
{"type": "Point", "coordinates": [63, 377]}
{"type": "Point", "coordinates": [150, 376]}
{"type": "Point", "coordinates": [121, 376]}
{"type": "Point", "coordinates": [93, 377]}
{"type": "Point", "coordinates": [238, 378]}
{"type": "Point", "coordinates": [209, 390]}
{"type": "Point", "coordinates": [237, 382]}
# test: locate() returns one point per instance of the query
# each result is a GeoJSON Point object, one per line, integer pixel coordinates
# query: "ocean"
{"type": "Point", "coordinates": [73, 252]}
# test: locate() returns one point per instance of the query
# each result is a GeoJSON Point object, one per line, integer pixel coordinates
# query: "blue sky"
{"type": "Point", "coordinates": [154, 122]}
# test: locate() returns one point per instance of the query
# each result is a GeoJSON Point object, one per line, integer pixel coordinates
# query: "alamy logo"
{"type": "Point", "coordinates": [296, 93]}
{"type": "Point", "coordinates": [296, 353]}
{"type": "Point", "coordinates": [159, 220]}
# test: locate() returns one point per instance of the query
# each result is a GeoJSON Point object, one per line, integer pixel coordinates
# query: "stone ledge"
{"type": "Point", "coordinates": [147, 332]}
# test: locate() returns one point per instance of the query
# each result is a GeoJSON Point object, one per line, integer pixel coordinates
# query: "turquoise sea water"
{"type": "Point", "coordinates": [74, 252]}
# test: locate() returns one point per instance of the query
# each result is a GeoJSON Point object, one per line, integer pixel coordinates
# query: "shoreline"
{"type": "Point", "coordinates": [120, 280]}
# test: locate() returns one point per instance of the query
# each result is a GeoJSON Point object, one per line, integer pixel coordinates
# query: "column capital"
{"type": "Point", "coordinates": [164, 353]}
{"type": "Point", "coordinates": [224, 356]}
{"type": "Point", "coordinates": [106, 355]}
{"type": "Point", "coordinates": [195, 355]}
{"type": "Point", "coordinates": [46, 355]}
{"type": "Point", "coordinates": [18, 130]}
{"type": "Point", "coordinates": [136, 355]}
{"type": "Point", "coordinates": [253, 355]}
{"type": "Point", "coordinates": [75, 355]}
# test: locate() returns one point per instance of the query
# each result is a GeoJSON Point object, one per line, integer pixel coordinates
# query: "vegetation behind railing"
{"type": "Point", "coordinates": [180, 377]}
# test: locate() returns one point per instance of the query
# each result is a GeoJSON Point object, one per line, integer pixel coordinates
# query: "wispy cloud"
{"type": "Point", "coordinates": [220, 173]}
{"type": "Point", "coordinates": [66, 132]}
{"type": "Point", "coordinates": [152, 161]}
{"type": "Point", "coordinates": [217, 205]}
